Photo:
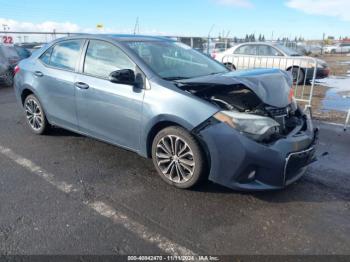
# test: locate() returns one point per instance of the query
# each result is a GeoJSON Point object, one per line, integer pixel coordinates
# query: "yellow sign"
{"type": "Point", "coordinates": [99, 26]}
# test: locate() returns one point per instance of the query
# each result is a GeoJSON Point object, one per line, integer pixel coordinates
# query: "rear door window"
{"type": "Point", "coordinates": [266, 50]}
{"type": "Point", "coordinates": [65, 55]}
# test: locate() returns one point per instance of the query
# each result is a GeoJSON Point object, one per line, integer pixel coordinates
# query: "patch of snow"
{"type": "Point", "coordinates": [338, 84]}
{"type": "Point", "coordinates": [337, 98]}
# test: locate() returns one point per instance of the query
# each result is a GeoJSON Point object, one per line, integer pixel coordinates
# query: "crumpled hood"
{"type": "Point", "coordinates": [272, 86]}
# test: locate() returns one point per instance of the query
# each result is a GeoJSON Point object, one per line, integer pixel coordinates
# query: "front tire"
{"type": "Point", "coordinates": [178, 157]}
{"type": "Point", "coordinates": [35, 115]}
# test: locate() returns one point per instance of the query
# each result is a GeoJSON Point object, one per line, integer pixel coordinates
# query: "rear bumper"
{"type": "Point", "coordinates": [240, 163]}
{"type": "Point", "coordinates": [320, 73]}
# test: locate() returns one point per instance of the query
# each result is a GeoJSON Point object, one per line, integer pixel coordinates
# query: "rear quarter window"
{"type": "Point", "coordinates": [45, 57]}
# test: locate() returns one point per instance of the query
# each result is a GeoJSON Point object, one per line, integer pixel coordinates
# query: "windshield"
{"type": "Point", "coordinates": [287, 50]}
{"type": "Point", "coordinates": [174, 60]}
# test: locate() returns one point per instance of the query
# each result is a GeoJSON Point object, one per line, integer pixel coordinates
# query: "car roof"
{"type": "Point", "coordinates": [118, 37]}
{"type": "Point", "coordinates": [259, 43]}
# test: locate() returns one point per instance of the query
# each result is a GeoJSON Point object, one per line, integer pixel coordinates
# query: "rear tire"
{"type": "Point", "coordinates": [8, 79]}
{"type": "Point", "coordinates": [297, 74]}
{"type": "Point", "coordinates": [35, 115]}
{"type": "Point", "coordinates": [230, 66]}
{"type": "Point", "coordinates": [178, 157]}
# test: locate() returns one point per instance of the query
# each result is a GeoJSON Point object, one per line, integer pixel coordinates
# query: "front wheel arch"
{"type": "Point", "coordinates": [154, 131]}
{"type": "Point", "coordinates": [164, 124]}
{"type": "Point", "coordinates": [200, 173]}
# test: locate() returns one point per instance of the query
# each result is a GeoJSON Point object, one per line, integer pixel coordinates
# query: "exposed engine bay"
{"type": "Point", "coordinates": [239, 98]}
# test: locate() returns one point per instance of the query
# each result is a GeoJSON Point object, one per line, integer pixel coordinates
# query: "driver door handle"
{"type": "Point", "coordinates": [81, 85]}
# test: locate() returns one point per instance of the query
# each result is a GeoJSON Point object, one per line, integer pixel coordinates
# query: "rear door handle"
{"type": "Point", "coordinates": [81, 85]}
{"type": "Point", "coordinates": [38, 74]}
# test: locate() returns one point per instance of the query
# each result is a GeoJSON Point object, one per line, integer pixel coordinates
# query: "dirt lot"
{"type": "Point", "coordinates": [340, 68]}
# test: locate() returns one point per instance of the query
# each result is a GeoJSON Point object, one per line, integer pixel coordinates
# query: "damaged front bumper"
{"type": "Point", "coordinates": [239, 162]}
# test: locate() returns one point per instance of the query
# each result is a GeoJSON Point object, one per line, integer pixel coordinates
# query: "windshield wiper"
{"type": "Point", "coordinates": [173, 78]}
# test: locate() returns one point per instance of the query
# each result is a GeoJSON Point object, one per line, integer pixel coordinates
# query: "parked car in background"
{"type": "Point", "coordinates": [9, 58]}
{"type": "Point", "coordinates": [31, 46]}
{"type": "Point", "coordinates": [22, 52]}
{"type": "Point", "coordinates": [273, 55]}
{"type": "Point", "coordinates": [162, 99]}
{"type": "Point", "coordinates": [216, 47]}
{"type": "Point", "coordinates": [337, 48]}
{"type": "Point", "coordinates": [307, 49]}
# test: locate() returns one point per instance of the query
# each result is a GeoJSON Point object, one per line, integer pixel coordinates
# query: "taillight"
{"type": "Point", "coordinates": [16, 69]}
{"type": "Point", "coordinates": [213, 55]}
{"type": "Point", "coordinates": [291, 94]}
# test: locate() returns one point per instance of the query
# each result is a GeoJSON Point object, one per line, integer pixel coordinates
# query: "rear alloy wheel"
{"type": "Point", "coordinates": [35, 115]}
{"type": "Point", "coordinates": [297, 74]}
{"type": "Point", "coordinates": [178, 157]}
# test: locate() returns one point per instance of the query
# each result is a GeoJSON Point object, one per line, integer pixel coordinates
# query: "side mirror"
{"type": "Point", "coordinates": [123, 76]}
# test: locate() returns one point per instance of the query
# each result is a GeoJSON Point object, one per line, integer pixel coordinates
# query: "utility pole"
{"type": "Point", "coordinates": [211, 29]}
{"type": "Point", "coordinates": [226, 39]}
{"type": "Point", "coordinates": [6, 28]}
{"type": "Point", "coordinates": [324, 35]}
{"type": "Point", "coordinates": [137, 26]}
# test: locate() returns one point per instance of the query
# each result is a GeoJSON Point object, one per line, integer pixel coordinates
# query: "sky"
{"type": "Point", "coordinates": [273, 18]}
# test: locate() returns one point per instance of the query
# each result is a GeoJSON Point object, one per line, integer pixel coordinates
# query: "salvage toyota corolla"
{"type": "Point", "coordinates": [168, 102]}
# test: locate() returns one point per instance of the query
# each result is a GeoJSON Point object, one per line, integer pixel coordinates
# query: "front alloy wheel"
{"type": "Point", "coordinates": [175, 159]}
{"type": "Point", "coordinates": [178, 157]}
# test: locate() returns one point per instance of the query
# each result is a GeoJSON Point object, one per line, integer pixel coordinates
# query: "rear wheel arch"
{"type": "Point", "coordinates": [35, 115]}
{"type": "Point", "coordinates": [25, 93]}
{"type": "Point", "coordinates": [294, 66]}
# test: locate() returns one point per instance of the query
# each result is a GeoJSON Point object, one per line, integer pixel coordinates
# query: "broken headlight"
{"type": "Point", "coordinates": [256, 127]}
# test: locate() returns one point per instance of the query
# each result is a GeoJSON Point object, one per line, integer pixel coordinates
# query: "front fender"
{"type": "Point", "coordinates": [162, 104]}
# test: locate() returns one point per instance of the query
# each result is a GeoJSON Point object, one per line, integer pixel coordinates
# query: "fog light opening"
{"type": "Point", "coordinates": [248, 176]}
{"type": "Point", "coordinates": [251, 175]}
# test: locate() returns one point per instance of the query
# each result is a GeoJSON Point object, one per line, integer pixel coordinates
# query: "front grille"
{"type": "Point", "coordinates": [296, 161]}
{"type": "Point", "coordinates": [286, 117]}
{"type": "Point", "coordinates": [277, 112]}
